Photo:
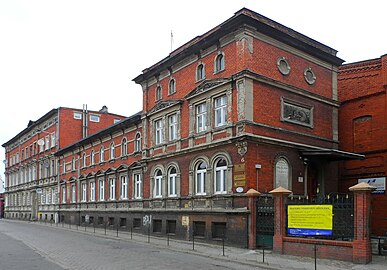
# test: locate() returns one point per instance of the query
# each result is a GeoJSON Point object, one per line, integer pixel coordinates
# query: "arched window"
{"type": "Point", "coordinates": [172, 86]}
{"type": "Point", "coordinates": [137, 143]}
{"type": "Point", "coordinates": [200, 73]}
{"type": "Point", "coordinates": [220, 176]}
{"type": "Point", "coordinates": [219, 62]}
{"type": "Point", "coordinates": [84, 160]}
{"type": "Point", "coordinates": [112, 151]}
{"type": "Point", "coordinates": [282, 173]}
{"type": "Point", "coordinates": [158, 183]}
{"type": "Point", "coordinates": [124, 147]}
{"type": "Point", "coordinates": [92, 157]}
{"type": "Point", "coordinates": [158, 93]}
{"type": "Point", "coordinates": [73, 165]}
{"type": "Point", "coordinates": [172, 182]}
{"type": "Point", "coordinates": [200, 178]}
{"type": "Point", "coordinates": [102, 154]}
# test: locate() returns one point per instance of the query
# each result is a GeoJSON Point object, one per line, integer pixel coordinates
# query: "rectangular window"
{"type": "Point", "coordinates": [73, 193]}
{"type": "Point", "coordinates": [47, 143]}
{"type": "Point", "coordinates": [172, 122]}
{"type": "Point", "coordinates": [137, 186]}
{"type": "Point", "coordinates": [101, 190]}
{"type": "Point", "coordinates": [53, 197]}
{"type": "Point", "coordinates": [157, 225]}
{"type": "Point", "coordinates": [122, 222]}
{"type": "Point", "coordinates": [199, 228]}
{"type": "Point", "coordinates": [92, 191]}
{"type": "Point", "coordinates": [158, 186]}
{"type": "Point", "coordinates": [124, 187]}
{"type": "Point", "coordinates": [172, 185]}
{"type": "Point", "coordinates": [136, 223]}
{"type": "Point", "coordinates": [159, 132]}
{"type": "Point", "coordinates": [83, 192]}
{"type": "Point", "coordinates": [220, 111]}
{"type": "Point", "coordinates": [47, 196]}
{"type": "Point", "coordinates": [112, 189]}
{"type": "Point", "coordinates": [53, 140]}
{"type": "Point", "coordinates": [218, 230]}
{"type": "Point", "coordinates": [220, 180]}
{"type": "Point", "coordinates": [201, 116]}
{"type": "Point", "coordinates": [77, 115]}
{"type": "Point", "coordinates": [171, 226]}
{"type": "Point", "coordinates": [64, 194]}
{"type": "Point", "coordinates": [94, 118]}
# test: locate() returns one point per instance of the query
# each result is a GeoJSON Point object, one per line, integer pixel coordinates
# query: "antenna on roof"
{"type": "Point", "coordinates": [171, 40]}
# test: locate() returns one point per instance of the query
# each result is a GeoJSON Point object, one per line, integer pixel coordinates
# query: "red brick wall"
{"type": "Point", "coordinates": [362, 129]}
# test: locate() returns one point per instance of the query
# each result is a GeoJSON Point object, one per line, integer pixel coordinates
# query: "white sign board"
{"type": "Point", "coordinates": [378, 182]}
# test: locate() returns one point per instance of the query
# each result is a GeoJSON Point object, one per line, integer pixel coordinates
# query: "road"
{"type": "Point", "coordinates": [32, 246]}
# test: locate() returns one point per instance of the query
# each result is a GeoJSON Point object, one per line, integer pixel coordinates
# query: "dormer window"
{"type": "Point", "coordinates": [200, 72]}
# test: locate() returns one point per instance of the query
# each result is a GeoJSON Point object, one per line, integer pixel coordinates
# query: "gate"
{"type": "Point", "coordinates": [265, 221]}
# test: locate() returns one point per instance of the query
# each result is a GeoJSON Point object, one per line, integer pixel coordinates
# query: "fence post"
{"type": "Point", "coordinates": [252, 194]}
{"type": "Point", "coordinates": [362, 252]}
{"type": "Point", "coordinates": [149, 233]}
{"type": "Point", "coordinates": [279, 195]}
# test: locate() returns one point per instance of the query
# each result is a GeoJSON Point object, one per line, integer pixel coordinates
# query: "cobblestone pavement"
{"type": "Point", "coordinates": [82, 248]}
{"type": "Point", "coordinates": [15, 255]}
{"type": "Point", "coordinates": [72, 250]}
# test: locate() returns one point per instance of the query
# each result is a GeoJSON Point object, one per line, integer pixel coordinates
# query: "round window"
{"type": "Point", "coordinates": [309, 76]}
{"type": "Point", "coordinates": [283, 66]}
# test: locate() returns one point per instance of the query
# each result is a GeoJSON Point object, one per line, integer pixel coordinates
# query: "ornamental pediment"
{"type": "Point", "coordinates": [206, 86]}
{"type": "Point", "coordinates": [163, 105]}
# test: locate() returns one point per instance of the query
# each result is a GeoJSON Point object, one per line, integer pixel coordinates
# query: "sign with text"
{"type": "Point", "coordinates": [310, 220]}
{"type": "Point", "coordinates": [378, 182]}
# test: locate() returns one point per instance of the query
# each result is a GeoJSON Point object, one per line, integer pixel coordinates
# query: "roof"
{"type": "Point", "coordinates": [331, 154]}
{"type": "Point", "coordinates": [132, 120]}
{"type": "Point", "coordinates": [255, 20]}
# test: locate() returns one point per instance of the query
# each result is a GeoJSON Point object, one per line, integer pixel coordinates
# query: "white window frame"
{"type": "Point", "coordinates": [172, 127]}
{"type": "Point", "coordinates": [77, 115]}
{"type": "Point", "coordinates": [92, 158]}
{"type": "Point", "coordinates": [201, 117]}
{"type": "Point", "coordinates": [159, 128]}
{"type": "Point", "coordinates": [112, 151]}
{"type": "Point", "coordinates": [101, 190]}
{"type": "Point", "coordinates": [53, 140]}
{"type": "Point", "coordinates": [73, 193]}
{"type": "Point", "coordinates": [158, 185]}
{"type": "Point", "coordinates": [112, 189]}
{"type": "Point", "coordinates": [102, 154]}
{"type": "Point", "coordinates": [137, 186]}
{"type": "Point", "coordinates": [92, 191]}
{"type": "Point", "coordinates": [63, 194]}
{"type": "Point", "coordinates": [124, 187]}
{"type": "Point", "coordinates": [220, 105]}
{"type": "Point", "coordinates": [124, 147]}
{"type": "Point", "coordinates": [200, 180]}
{"type": "Point", "coordinates": [94, 118]}
{"type": "Point", "coordinates": [172, 183]}
{"type": "Point", "coordinates": [84, 192]}
{"type": "Point", "coordinates": [220, 179]}
{"type": "Point", "coordinates": [47, 143]}
{"type": "Point", "coordinates": [137, 146]}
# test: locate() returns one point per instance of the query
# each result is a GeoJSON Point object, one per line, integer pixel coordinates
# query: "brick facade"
{"type": "Point", "coordinates": [362, 92]}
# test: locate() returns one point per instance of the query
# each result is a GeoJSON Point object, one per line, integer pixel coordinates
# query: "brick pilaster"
{"type": "Point", "coordinates": [252, 194]}
{"type": "Point", "coordinates": [280, 195]}
{"type": "Point", "coordinates": [362, 252]}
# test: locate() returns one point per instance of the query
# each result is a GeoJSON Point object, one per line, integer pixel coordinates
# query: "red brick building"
{"type": "Point", "coordinates": [249, 104]}
{"type": "Point", "coordinates": [362, 122]}
{"type": "Point", "coordinates": [31, 167]}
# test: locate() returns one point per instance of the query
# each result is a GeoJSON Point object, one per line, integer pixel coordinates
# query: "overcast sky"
{"type": "Point", "coordinates": [69, 53]}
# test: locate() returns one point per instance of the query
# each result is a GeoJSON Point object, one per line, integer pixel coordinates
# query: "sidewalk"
{"type": "Point", "coordinates": [268, 260]}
